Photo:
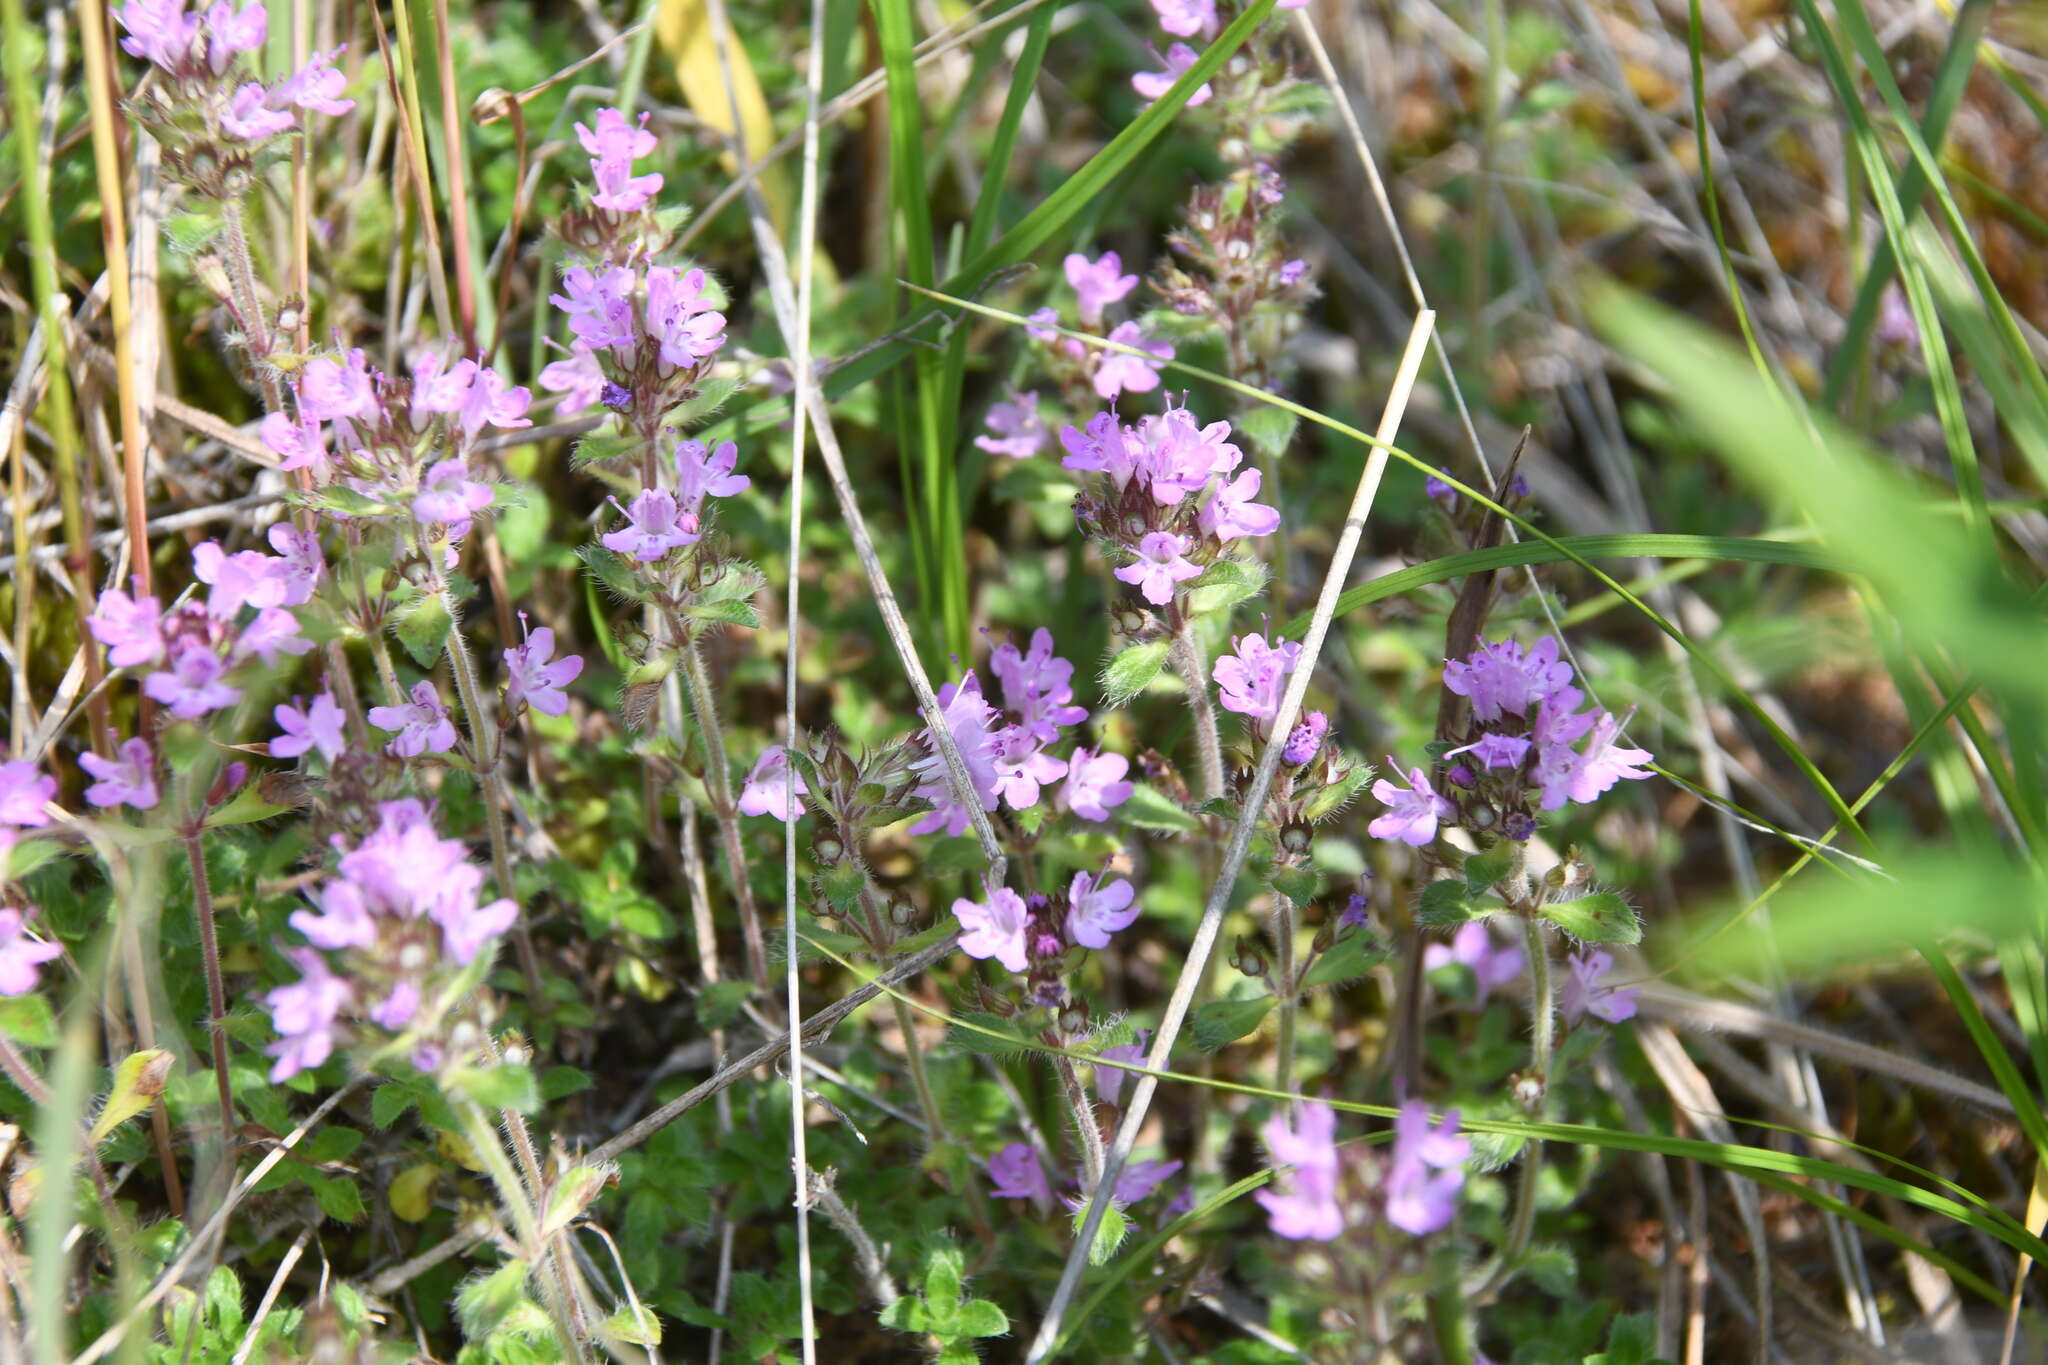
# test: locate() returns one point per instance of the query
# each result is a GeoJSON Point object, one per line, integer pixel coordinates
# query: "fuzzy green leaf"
{"type": "Point", "coordinates": [1602, 917]}
{"type": "Point", "coordinates": [1132, 671]}
{"type": "Point", "coordinates": [1222, 1022]}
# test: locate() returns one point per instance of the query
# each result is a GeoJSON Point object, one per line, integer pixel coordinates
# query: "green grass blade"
{"type": "Point", "coordinates": [2025, 1106]}
{"type": "Point", "coordinates": [1951, 79]}
{"type": "Point", "coordinates": [1565, 548]}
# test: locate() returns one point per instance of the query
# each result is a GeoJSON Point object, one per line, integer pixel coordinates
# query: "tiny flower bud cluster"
{"type": "Point", "coordinates": [400, 443]}
{"type": "Point", "coordinates": [206, 106]}
{"type": "Point", "coordinates": [1231, 266]}
{"type": "Point", "coordinates": [1163, 497]}
{"type": "Point", "coordinates": [400, 911]}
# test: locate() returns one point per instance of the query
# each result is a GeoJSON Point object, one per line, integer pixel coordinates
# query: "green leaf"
{"type": "Point", "coordinates": [488, 1300]}
{"type": "Point", "coordinates": [642, 1328]}
{"type": "Point", "coordinates": [1602, 917]}
{"type": "Point", "coordinates": [718, 1004]}
{"type": "Point", "coordinates": [1328, 800]}
{"type": "Point", "coordinates": [1351, 957]}
{"type": "Point", "coordinates": [1298, 883]}
{"type": "Point", "coordinates": [613, 572]}
{"type": "Point", "coordinates": [1224, 584]}
{"type": "Point", "coordinates": [708, 397]}
{"type": "Point", "coordinates": [422, 627]}
{"type": "Point", "coordinates": [1446, 902]}
{"type": "Point", "coordinates": [248, 806]}
{"type": "Point", "coordinates": [731, 612]}
{"type": "Point", "coordinates": [1552, 1269]}
{"type": "Point", "coordinates": [987, 1033]}
{"type": "Point", "coordinates": [1149, 808]}
{"type": "Point", "coordinates": [907, 1314]}
{"type": "Point", "coordinates": [26, 856]}
{"type": "Point", "coordinates": [138, 1080]}
{"type": "Point", "coordinates": [389, 1102]}
{"type": "Point", "coordinates": [1631, 1341]}
{"type": "Point", "coordinates": [1108, 1236]}
{"type": "Point", "coordinates": [1222, 1022]}
{"type": "Point", "coordinates": [339, 497]}
{"type": "Point", "coordinates": [1482, 870]}
{"type": "Point", "coordinates": [508, 1085]}
{"type": "Point", "coordinates": [337, 1197]}
{"type": "Point", "coordinates": [1132, 671]}
{"type": "Point", "coordinates": [980, 1318]}
{"type": "Point", "coordinates": [942, 1286]}
{"type": "Point", "coordinates": [1269, 429]}
{"type": "Point", "coordinates": [560, 1082]}
{"type": "Point", "coordinates": [27, 1020]}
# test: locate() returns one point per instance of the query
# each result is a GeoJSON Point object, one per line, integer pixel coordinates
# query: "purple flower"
{"type": "Point", "coordinates": [1492, 965]}
{"type": "Point", "coordinates": [275, 631]}
{"type": "Point", "coordinates": [298, 445]}
{"type": "Point", "coordinates": [1121, 372]}
{"type": "Point", "coordinates": [331, 389]}
{"type": "Point", "coordinates": [447, 495]}
{"type": "Point", "coordinates": [994, 930]}
{"type": "Point", "coordinates": [1109, 1080]}
{"type": "Point", "coordinates": [24, 791]}
{"type": "Point", "coordinates": [680, 317]}
{"type": "Point", "coordinates": [318, 726]}
{"type": "Point", "coordinates": [21, 957]}
{"type": "Point", "coordinates": [1098, 283]}
{"type": "Point", "coordinates": [535, 681]}
{"type": "Point", "coordinates": [299, 563]}
{"type": "Point", "coordinates": [1023, 767]}
{"type": "Point", "coordinates": [246, 578]}
{"type": "Point", "coordinates": [600, 308]}
{"type": "Point", "coordinates": [437, 390]}
{"type": "Point", "coordinates": [1095, 783]}
{"type": "Point", "coordinates": [1357, 912]}
{"type": "Point", "coordinates": [128, 779]}
{"type": "Point", "coordinates": [1584, 777]}
{"type": "Point", "coordinates": [159, 31]}
{"type": "Point", "coordinates": [1014, 1173]}
{"type": "Point", "coordinates": [1418, 1201]}
{"type": "Point", "coordinates": [1014, 428]}
{"type": "Point", "coordinates": [613, 149]}
{"type": "Point", "coordinates": [1306, 738]}
{"type": "Point", "coordinates": [1097, 908]}
{"type": "Point", "coordinates": [1138, 1179]}
{"type": "Point", "coordinates": [971, 720]}
{"type": "Point", "coordinates": [191, 687]}
{"type": "Point", "coordinates": [766, 790]}
{"type": "Point", "coordinates": [1502, 678]}
{"type": "Point", "coordinates": [1162, 563]}
{"type": "Point", "coordinates": [1187, 18]}
{"type": "Point", "coordinates": [247, 116]}
{"type": "Point", "coordinates": [1497, 751]}
{"type": "Point", "coordinates": [1178, 457]}
{"type": "Point", "coordinates": [466, 926]}
{"type": "Point", "coordinates": [653, 528]}
{"type": "Point", "coordinates": [130, 628]}
{"type": "Point", "coordinates": [1412, 814]}
{"type": "Point", "coordinates": [1290, 273]}
{"type": "Point", "coordinates": [1302, 1204]}
{"type": "Point", "coordinates": [344, 921]}
{"type": "Point", "coordinates": [1178, 59]}
{"type": "Point", "coordinates": [579, 379]}
{"type": "Point", "coordinates": [397, 1009]}
{"type": "Point", "coordinates": [1252, 680]}
{"type": "Point", "coordinates": [1586, 992]}
{"type": "Point", "coordinates": [304, 1014]}
{"type": "Point", "coordinates": [1232, 513]}
{"type": "Point", "coordinates": [1037, 687]}
{"type": "Point", "coordinates": [1436, 488]}
{"type": "Point", "coordinates": [1039, 326]}
{"type": "Point", "coordinates": [422, 725]}
{"type": "Point", "coordinates": [316, 86]}
{"type": "Point", "coordinates": [1896, 325]}
{"type": "Point", "coordinates": [491, 402]}
{"type": "Point", "coordinates": [704, 471]}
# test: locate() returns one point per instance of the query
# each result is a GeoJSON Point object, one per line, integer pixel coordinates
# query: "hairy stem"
{"type": "Point", "coordinates": [1290, 993]}
{"type": "Point", "coordinates": [1522, 1220]}
{"type": "Point", "coordinates": [1083, 1115]}
{"type": "Point", "coordinates": [1193, 667]}
{"type": "Point", "coordinates": [483, 1139]}
{"type": "Point", "coordinates": [718, 780]}
{"type": "Point", "coordinates": [216, 992]}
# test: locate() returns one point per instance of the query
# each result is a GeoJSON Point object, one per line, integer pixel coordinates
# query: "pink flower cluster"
{"type": "Point", "coordinates": [199, 53]}
{"type": "Point", "coordinates": [1418, 1186]}
{"type": "Point", "coordinates": [1017, 932]}
{"type": "Point", "coordinates": [1109, 370]}
{"type": "Point", "coordinates": [649, 333]}
{"type": "Point", "coordinates": [402, 904]}
{"type": "Point", "coordinates": [192, 649]}
{"type": "Point", "coordinates": [1523, 750]}
{"type": "Point", "coordinates": [1164, 495]}
{"type": "Point", "coordinates": [399, 441]}
{"type": "Point", "coordinates": [1195, 19]}
{"type": "Point", "coordinates": [614, 146]}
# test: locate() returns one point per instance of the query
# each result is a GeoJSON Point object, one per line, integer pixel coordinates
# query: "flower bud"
{"type": "Point", "coordinates": [1296, 839]}
{"type": "Point", "coordinates": [1247, 959]}
{"type": "Point", "coordinates": [1529, 1093]}
{"type": "Point", "coordinates": [1073, 1018]}
{"type": "Point", "coordinates": [901, 912]}
{"type": "Point", "coordinates": [1481, 816]}
{"type": "Point", "coordinates": [827, 847]}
